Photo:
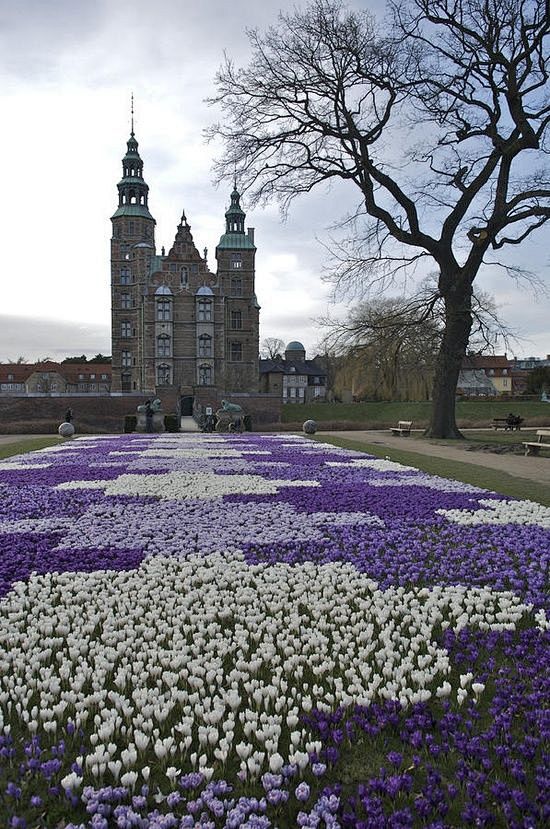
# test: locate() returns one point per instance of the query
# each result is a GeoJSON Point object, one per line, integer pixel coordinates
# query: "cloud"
{"type": "Point", "coordinates": [35, 338]}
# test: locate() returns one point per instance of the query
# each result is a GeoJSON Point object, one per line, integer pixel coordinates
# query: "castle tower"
{"type": "Point", "coordinates": [132, 249]}
{"type": "Point", "coordinates": [235, 254]}
{"type": "Point", "coordinates": [179, 330]}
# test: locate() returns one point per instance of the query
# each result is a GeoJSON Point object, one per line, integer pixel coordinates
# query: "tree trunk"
{"type": "Point", "coordinates": [458, 323]}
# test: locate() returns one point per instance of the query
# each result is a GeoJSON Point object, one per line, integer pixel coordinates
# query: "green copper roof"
{"type": "Point", "coordinates": [132, 210]}
{"type": "Point", "coordinates": [236, 241]}
{"type": "Point", "coordinates": [132, 180]}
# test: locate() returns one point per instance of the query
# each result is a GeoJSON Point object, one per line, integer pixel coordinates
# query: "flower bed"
{"type": "Point", "coordinates": [266, 632]}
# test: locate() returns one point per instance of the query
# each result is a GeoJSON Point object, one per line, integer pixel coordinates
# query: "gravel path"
{"type": "Point", "coordinates": [533, 468]}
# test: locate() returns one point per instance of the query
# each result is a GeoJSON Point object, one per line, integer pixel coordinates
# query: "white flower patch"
{"type": "Point", "coordinates": [379, 464]}
{"type": "Point", "coordinates": [501, 512]}
{"type": "Point", "coordinates": [428, 481]}
{"type": "Point", "coordinates": [37, 525]}
{"type": "Point", "coordinates": [211, 660]}
{"type": "Point", "coordinates": [93, 437]}
{"type": "Point", "coordinates": [191, 452]}
{"type": "Point", "coordinates": [178, 485]}
{"type": "Point", "coordinates": [6, 466]}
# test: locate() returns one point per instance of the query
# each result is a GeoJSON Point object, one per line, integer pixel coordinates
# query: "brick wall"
{"type": "Point", "coordinates": [42, 415]}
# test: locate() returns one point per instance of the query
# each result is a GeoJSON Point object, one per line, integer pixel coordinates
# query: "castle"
{"type": "Point", "coordinates": [175, 325]}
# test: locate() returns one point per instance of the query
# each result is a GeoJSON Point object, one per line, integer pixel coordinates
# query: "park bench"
{"type": "Point", "coordinates": [542, 442]}
{"type": "Point", "coordinates": [510, 422]}
{"type": "Point", "coordinates": [403, 428]}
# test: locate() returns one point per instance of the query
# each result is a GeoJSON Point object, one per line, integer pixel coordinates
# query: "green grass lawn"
{"type": "Point", "coordinates": [469, 473]}
{"type": "Point", "coordinates": [19, 447]}
{"type": "Point", "coordinates": [372, 415]}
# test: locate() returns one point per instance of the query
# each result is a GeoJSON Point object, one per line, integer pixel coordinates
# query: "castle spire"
{"type": "Point", "coordinates": [133, 192]}
{"type": "Point", "coordinates": [235, 215]}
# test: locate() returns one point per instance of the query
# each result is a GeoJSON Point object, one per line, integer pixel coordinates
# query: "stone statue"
{"type": "Point", "coordinates": [234, 408]}
{"type": "Point", "coordinates": [154, 405]}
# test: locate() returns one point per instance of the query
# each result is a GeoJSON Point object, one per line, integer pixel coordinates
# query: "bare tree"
{"type": "Point", "coordinates": [272, 348]}
{"type": "Point", "coordinates": [439, 120]}
{"type": "Point", "coordinates": [20, 361]}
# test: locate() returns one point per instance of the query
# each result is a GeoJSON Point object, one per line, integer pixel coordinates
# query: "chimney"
{"type": "Point", "coordinates": [250, 231]}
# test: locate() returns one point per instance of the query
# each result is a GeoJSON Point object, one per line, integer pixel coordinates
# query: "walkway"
{"type": "Point", "coordinates": [533, 468]}
{"type": "Point", "coordinates": [189, 424]}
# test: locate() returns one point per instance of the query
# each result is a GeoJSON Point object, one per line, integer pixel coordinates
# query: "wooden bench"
{"type": "Point", "coordinates": [403, 428]}
{"type": "Point", "coordinates": [542, 442]}
{"type": "Point", "coordinates": [511, 422]}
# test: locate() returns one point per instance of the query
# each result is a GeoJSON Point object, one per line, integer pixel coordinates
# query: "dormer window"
{"type": "Point", "coordinates": [205, 310]}
{"type": "Point", "coordinates": [164, 309]}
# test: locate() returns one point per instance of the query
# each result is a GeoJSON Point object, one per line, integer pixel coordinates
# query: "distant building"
{"type": "Point", "coordinates": [294, 379]}
{"type": "Point", "coordinates": [176, 326]}
{"type": "Point", "coordinates": [490, 375]}
{"type": "Point", "coordinates": [51, 378]}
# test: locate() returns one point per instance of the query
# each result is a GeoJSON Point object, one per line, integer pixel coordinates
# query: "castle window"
{"type": "Point", "coordinates": [125, 329]}
{"type": "Point", "coordinates": [104, 376]}
{"type": "Point", "coordinates": [125, 275]}
{"type": "Point", "coordinates": [131, 227]}
{"type": "Point", "coordinates": [125, 301]}
{"type": "Point", "coordinates": [164, 346]}
{"type": "Point", "coordinates": [126, 361]}
{"type": "Point", "coordinates": [236, 260]}
{"type": "Point", "coordinates": [236, 352]}
{"type": "Point", "coordinates": [236, 320]}
{"type": "Point", "coordinates": [205, 375]}
{"type": "Point", "coordinates": [164, 309]}
{"type": "Point", "coordinates": [163, 375]}
{"type": "Point", "coordinates": [126, 381]}
{"type": "Point", "coordinates": [205, 310]}
{"type": "Point", "coordinates": [205, 345]}
{"type": "Point", "coordinates": [236, 286]}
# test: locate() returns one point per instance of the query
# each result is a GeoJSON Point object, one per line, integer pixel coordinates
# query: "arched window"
{"type": "Point", "coordinates": [205, 310]}
{"type": "Point", "coordinates": [205, 345]}
{"type": "Point", "coordinates": [164, 309]}
{"type": "Point", "coordinates": [164, 375]}
{"type": "Point", "coordinates": [205, 375]}
{"type": "Point", "coordinates": [164, 345]}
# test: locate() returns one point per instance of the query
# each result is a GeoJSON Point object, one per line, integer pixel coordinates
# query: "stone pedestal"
{"type": "Point", "coordinates": [158, 422]}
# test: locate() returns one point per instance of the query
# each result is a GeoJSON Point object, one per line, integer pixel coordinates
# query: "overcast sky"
{"type": "Point", "coordinates": [67, 70]}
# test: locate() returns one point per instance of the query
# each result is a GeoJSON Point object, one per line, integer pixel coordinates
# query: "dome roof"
{"type": "Point", "coordinates": [295, 346]}
{"type": "Point", "coordinates": [163, 290]}
{"type": "Point", "coordinates": [205, 291]}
